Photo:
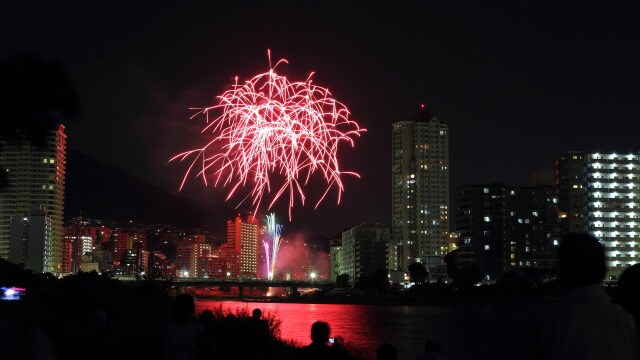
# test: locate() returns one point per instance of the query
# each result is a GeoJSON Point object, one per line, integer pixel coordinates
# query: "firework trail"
{"type": "Point", "coordinates": [273, 232]}
{"type": "Point", "coordinates": [269, 131]}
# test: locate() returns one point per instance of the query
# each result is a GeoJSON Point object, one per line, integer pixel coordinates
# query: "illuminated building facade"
{"type": "Point", "coordinates": [31, 239]}
{"type": "Point", "coordinates": [335, 256]}
{"type": "Point", "coordinates": [600, 193]}
{"type": "Point", "coordinates": [124, 240]}
{"type": "Point", "coordinates": [612, 184]}
{"type": "Point", "coordinates": [420, 191]}
{"type": "Point", "coordinates": [242, 240]}
{"type": "Point", "coordinates": [35, 175]}
{"type": "Point", "coordinates": [188, 250]}
{"type": "Point", "coordinates": [82, 239]}
{"type": "Point", "coordinates": [135, 262]}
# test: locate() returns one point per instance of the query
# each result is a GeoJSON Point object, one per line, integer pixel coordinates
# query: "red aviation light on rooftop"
{"type": "Point", "coordinates": [269, 136]}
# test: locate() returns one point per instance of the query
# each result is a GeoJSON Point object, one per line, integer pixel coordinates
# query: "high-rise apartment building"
{"type": "Point", "coordinates": [363, 251]}
{"type": "Point", "coordinates": [31, 238]}
{"type": "Point", "coordinates": [605, 192]}
{"type": "Point", "coordinates": [570, 181]}
{"type": "Point", "coordinates": [420, 190]}
{"type": "Point", "coordinates": [242, 237]}
{"type": "Point", "coordinates": [612, 202]}
{"type": "Point", "coordinates": [188, 250]}
{"type": "Point", "coordinates": [502, 228]}
{"type": "Point", "coordinates": [35, 175]}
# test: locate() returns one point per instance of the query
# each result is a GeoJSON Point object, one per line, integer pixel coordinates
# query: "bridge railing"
{"type": "Point", "coordinates": [242, 282]}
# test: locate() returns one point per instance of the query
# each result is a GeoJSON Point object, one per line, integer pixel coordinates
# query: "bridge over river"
{"type": "Point", "coordinates": [182, 283]}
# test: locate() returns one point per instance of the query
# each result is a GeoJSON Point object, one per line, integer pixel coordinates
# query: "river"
{"type": "Point", "coordinates": [466, 332]}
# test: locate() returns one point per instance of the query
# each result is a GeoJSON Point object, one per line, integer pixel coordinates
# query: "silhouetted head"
{"type": "Point", "coordinates": [183, 308]}
{"type": "Point", "coordinates": [206, 318]}
{"type": "Point", "coordinates": [628, 291]}
{"type": "Point", "coordinates": [257, 314]}
{"type": "Point", "coordinates": [580, 260]}
{"type": "Point", "coordinates": [432, 346]}
{"type": "Point", "coordinates": [320, 332]}
{"type": "Point", "coordinates": [386, 352]}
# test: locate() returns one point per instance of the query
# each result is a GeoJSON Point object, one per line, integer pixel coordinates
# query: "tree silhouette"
{"type": "Point", "coordinates": [34, 95]}
{"type": "Point", "coordinates": [418, 273]}
{"type": "Point", "coordinates": [342, 281]}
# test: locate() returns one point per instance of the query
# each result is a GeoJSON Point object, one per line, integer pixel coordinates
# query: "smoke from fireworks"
{"type": "Point", "coordinates": [273, 234]}
{"type": "Point", "coordinates": [270, 131]}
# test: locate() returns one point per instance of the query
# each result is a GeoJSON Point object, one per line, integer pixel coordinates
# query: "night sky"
{"type": "Point", "coordinates": [516, 83]}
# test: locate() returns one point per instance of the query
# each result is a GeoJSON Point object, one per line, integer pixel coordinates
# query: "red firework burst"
{"type": "Point", "coordinates": [267, 128]}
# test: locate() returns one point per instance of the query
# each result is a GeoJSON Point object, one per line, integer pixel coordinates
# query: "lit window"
{"type": "Point", "coordinates": [486, 190]}
{"type": "Point", "coordinates": [487, 219]}
{"type": "Point", "coordinates": [486, 247]}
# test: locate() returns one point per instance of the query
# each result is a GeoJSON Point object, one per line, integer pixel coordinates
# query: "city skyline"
{"type": "Point", "coordinates": [514, 90]}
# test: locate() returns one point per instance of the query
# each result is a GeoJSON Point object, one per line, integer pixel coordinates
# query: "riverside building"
{"type": "Point", "coordinates": [420, 191]}
{"type": "Point", "coordinates": [363, 250]}
{"type": "Point", "coordinates": [606, 192]}
{"type": "Point", "coordinates": [502, 228]}
{"type": "Point", "coordinates": [34, 175]}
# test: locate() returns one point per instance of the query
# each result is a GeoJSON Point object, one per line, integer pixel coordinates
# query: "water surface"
{"type": "Point", "coordinates": [466, 332]}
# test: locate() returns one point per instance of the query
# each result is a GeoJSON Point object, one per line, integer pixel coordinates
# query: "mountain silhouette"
{"type": "Point", "coordinates": [100, 191]}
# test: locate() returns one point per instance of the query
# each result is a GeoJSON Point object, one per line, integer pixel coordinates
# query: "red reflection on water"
{"type": "Point", "coordinates": [354, 323]}
{"type": "Point", "coordinates": [467, 332]}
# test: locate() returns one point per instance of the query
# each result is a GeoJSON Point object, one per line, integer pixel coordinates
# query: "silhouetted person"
{"type": "Point", "coordinates": [431, 350]}
{"type": "Point", "coordinates": [318, 349]}
{"type": "Point", "coordinates": [339, 349]}
{"type": "Point", "coordinates": [628, 294]}
{"type": "Point", "coordinates": [386, 352]}
{"type": "Point", "coordinates": [584, 324]}
{"type": "Point", "coordinates": [184, 338]}
{"type": "Point", "coordinates": [257, 337]}
{"type": "Point", "coordinates": [206, 319]}
{"type": "Point", "coordinates": [259, 327]}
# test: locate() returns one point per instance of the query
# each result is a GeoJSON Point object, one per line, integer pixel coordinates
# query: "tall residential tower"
{"type": "Point", "coordinates": [34, 175]}
{"type": "Point", "coordinates": [420, 190]}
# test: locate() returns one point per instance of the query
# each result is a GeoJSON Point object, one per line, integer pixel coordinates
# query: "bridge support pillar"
{"type": "Point", "coordinates": [241, 292]}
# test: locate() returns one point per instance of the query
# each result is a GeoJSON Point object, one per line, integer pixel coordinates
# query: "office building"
{"type": "Point", "coordinates": [420, 190]}
{"type": "Point", "coordinates": [35, 175]}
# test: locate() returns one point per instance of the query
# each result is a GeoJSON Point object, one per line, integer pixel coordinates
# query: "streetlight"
{"type": "Point", "coordinates": [313, 275]}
